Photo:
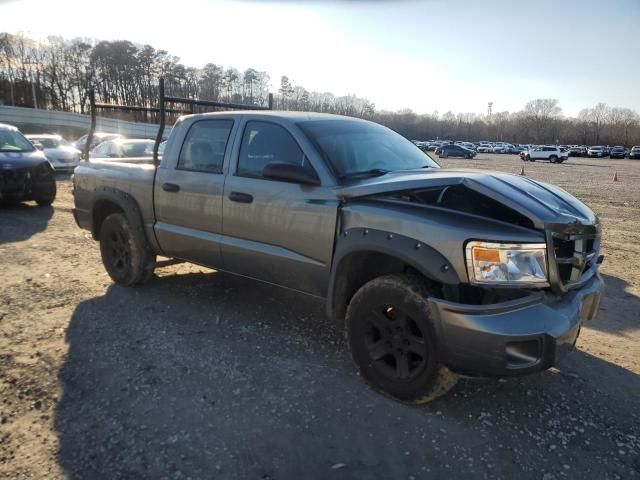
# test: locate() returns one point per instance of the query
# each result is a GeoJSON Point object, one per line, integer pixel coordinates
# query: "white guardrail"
{"type": "Point", "coordinates": [47, 119]}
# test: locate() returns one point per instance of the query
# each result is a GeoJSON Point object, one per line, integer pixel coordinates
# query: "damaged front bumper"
{"type": "Point", "coordinates": [515, 337]}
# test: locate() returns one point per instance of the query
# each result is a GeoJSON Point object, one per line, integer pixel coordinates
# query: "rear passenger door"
{"type": "Point", "coordinates": [276, 231]}
{"type": "Point", "coordinates": [188, 193]}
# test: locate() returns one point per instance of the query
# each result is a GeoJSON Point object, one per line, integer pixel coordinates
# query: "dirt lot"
{"type": "Point", "coordinates": [204, 375]}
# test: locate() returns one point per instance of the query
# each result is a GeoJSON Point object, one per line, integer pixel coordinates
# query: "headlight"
{"type": "Point", "coordinates": [507, 263]}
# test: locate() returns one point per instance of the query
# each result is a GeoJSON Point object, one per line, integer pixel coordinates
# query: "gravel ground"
{"type": "Point", "coordinates": [204, 375]}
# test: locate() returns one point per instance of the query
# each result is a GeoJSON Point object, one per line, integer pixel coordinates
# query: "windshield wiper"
{"type": "Point", "coordinates": [373, 172]}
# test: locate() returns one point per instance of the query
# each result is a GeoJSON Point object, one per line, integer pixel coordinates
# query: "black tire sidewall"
{"type": "Point", "coordinates": [47, 195]}
{"type": "Point", "coordinates": [378, 293]}
{"type": "Point", "coordinates": [141, 261]}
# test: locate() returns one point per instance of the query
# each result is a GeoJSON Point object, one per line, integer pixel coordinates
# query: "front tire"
{"type": "Point", "coordinates": [393, 341]}
{"type": "Point", "coordinates": [126, 257]}
{"type": "Point", "coordinates": [553, 159]}
{"type": "Point", "coordinates": [46, 198]}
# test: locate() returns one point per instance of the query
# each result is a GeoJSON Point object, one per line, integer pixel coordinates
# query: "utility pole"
{"type": "Point", "coordinates": [33, 91]}
{"type": "Point", "coordinates": [33, 85]}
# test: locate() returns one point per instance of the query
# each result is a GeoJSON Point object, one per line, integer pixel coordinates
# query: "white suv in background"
{"type": "Point", "coordinates": [549, 153]}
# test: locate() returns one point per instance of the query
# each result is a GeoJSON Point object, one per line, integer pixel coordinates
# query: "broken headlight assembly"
{"type": "Point", "coordinates": [507, 264]}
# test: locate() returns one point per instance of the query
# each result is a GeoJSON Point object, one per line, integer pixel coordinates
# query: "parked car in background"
{"type": "Point", "coordinates": [596, 151]}
{"type": "Point", "coordinates": [618, 152]}
{"type": "Point", "coordinates": [418, 144]}
{"type": "Point", "coordinates": [452, 150]}
{"type": "Point", "coordinates": [63, 156]}
{"type": "Point", "coordinates": [517, 149]}
{"type": "Point", "coordinates": [485, 148]}
{"type": "Point", "coordinates": [97, 139]}
{"type": "Point", "coordinates": [439, 148]}
{"type": "Point", "coordinates": [500, 147]}
{"type": "Point", "coordinates": [433, 145]}
{"type": "Point", "coordinates": [467, 145]}
{"type": "Point", "coordinates": [577, 151]}
{"type": "Point", "coordinates": [25, 172]}
{"type": "Point", "coordinates": [550, 153]}
{"type": "Point", "coordinates": [123, 148]}
{"type": "Point", "coordinates": [634, 153]}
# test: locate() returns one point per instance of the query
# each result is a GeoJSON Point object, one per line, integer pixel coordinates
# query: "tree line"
{"type": "Point", "coordinates": [57, 74]}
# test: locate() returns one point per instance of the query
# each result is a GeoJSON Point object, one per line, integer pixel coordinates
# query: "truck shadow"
{"type": "Point", "coordinates": [619, 310]}
{"type": "Point", "coordinates": [20, 221]}
{"type": "Point", "coordinates": [213, 376]}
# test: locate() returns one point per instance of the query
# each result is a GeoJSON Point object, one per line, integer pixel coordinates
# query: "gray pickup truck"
{"type": "Point", "coordinates": [436, 272]}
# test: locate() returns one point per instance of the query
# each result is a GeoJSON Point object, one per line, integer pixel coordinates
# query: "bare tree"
{"type": "Point", "coordinates": [57, 75]}
{"type": "Point", "coordinates": [540, 114]}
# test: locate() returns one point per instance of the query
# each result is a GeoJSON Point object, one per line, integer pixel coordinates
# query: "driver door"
{"type": "Point", "coordinates": [276, 231]}
{"type": "Point", "coordinates": [536, 153]}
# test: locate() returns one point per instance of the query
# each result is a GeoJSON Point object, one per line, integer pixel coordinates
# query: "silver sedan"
{"type": "Point", "coordinates": [63, 156]}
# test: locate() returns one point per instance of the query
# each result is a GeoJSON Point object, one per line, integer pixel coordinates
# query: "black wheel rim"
{"type": "Point", "coordinates": [118, 251]}
{"type": "Point", "coordinates": [396, 344]}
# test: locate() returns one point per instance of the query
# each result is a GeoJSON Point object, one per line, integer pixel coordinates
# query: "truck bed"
{"type": "Point", "coordinates": [135, 178]}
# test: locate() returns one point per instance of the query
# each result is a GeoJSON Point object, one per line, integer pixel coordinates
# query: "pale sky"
{"type": "Point", "coordinates": [425, 55]}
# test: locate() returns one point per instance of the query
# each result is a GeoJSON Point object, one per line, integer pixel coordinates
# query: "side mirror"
{"type": "Point", "coordinates": [39, 146]}
{"type": "Point", "coordinates": [288, 172]}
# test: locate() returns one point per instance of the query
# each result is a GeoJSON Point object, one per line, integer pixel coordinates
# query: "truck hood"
{"type": "Point", "coordinates": [542, 203]}
{"type": "Point", "coordinates": [13, 160]}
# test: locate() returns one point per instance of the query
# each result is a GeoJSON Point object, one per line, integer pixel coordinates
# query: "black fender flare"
{"type": "Point", "coordinates": [415, 253]}
{"type": "Point", "coordinates": [126, 203]}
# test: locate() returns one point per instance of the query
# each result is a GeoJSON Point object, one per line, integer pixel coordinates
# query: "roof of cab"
{"type": "Point", "coordinates": [293, 116]}
{"type": "Point", "coordinates": [43, 135]}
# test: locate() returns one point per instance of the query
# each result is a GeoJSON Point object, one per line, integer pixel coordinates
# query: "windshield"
{"type": "Point", "coordinates": [137, 149]}
{"type": "Point", "coordinates": [14, 141]}
{"type": "Point", "coordinates": [356, 147]}
{"type": "Point", "coordinates": [50, 142]}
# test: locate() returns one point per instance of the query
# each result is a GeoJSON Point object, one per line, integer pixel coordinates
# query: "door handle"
{"type": "Point", "coordinates": [170, 187]}
{"type": "Point", "coordinates": [240, 197]}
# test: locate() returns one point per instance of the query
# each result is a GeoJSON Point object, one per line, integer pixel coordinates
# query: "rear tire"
{"type": "Point", "coordinates": [126, 257]}
{"type": "Point", "coordinates": [393, 341]}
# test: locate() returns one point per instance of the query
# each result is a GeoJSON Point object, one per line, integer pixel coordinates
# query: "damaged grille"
{"type": "Point", "coordinates": [573, 256]}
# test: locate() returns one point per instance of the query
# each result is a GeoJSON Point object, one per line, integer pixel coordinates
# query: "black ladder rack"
{"type": "Point", "coordinates": [162, 110]}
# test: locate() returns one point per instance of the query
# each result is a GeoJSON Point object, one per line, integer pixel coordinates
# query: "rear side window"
{"type": "Point", "coordinates": [102, 149]}
{"type": "Point", "coordinates": [203, 149]}
{"type": "Point", "coordinates": [263, 143]}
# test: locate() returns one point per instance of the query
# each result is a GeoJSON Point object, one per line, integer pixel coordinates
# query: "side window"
{"type": "Point", "coordinates": [203, 148]}
{"type": "Point", "coordinates": [101, 150]}
{"type": "Point", "coordinates": [263, 143]}
{"type": "Point", "coordinates": [113, 150]}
